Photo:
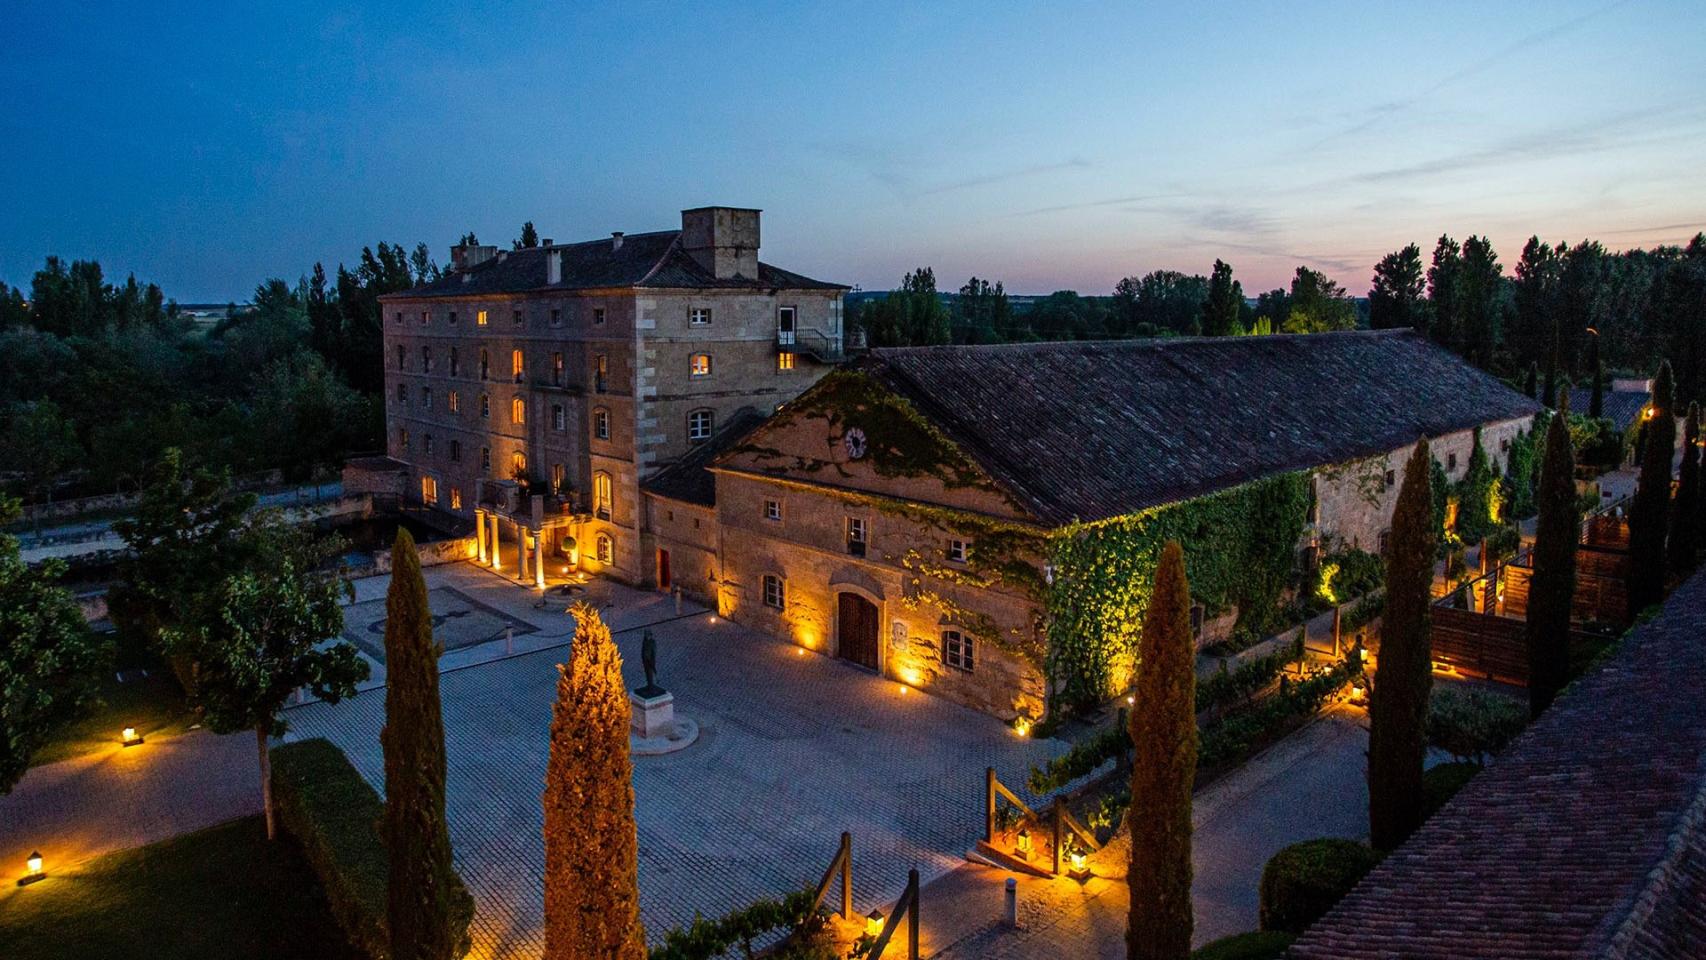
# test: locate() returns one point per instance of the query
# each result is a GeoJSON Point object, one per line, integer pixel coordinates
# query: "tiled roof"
{"type": "Point", "coordinates": [1587, 838]}
{"type": "Point", "coordinates": [1623, 407]}
{"type": "Point", "coordinates": [650, 260]}
{"type": "Point", "coordinates": [687, 479]}
{"type": "Point", "coordinates": [1091, 430]}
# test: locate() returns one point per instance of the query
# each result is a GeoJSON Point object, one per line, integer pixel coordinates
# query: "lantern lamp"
{"type": "Point", "coordinates": [34, 866]}
{"type": "Point", "coordinates": [1022, 726]}
{"type": "Point", "coordinates": [873, 923]}
{"type": "Point", "coordinates": [129, 737]}
{"type": "Point", "coordinates": [1022, 843]}
{"type": "Point", "coordinates": [1080, 869]}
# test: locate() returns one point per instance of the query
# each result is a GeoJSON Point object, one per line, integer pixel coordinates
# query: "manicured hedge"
{"type": "Point", "coordinates": [1261, 945]}
{"type": "Point", "coordinates": [334, 815]}
{"type": "Point", "coordinates": [1303, 881]}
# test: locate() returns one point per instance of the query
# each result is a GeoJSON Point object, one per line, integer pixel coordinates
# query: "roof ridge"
{"type": "Point", "coordinates": [1139, 343]}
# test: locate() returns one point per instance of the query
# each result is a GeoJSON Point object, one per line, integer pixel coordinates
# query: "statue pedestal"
{"type": "Point", "coordinates": [652, 712]}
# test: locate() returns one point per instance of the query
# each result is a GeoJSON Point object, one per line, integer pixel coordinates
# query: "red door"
{"type": "Point", "coordinates": [663, 570]}
{"type": "Point", "coordinates": [857, 630]}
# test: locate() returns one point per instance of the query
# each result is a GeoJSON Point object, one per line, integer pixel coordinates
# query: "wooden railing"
{"type": "Point", "coordinates": [1060, 820]}
{"type": "Point", "coordinates": [843, 864]}
{"type": "Point", "coordinates": [906, 908]}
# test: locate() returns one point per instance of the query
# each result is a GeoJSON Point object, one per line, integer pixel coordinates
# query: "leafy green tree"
{"type": "Point", "coordinates": [255, 637]}
{"type": "Point", "coordinates": [1552, 588]}
{"type": "Point", "coordinates": [425, 898]}
{"type": "Point", "coordinates": [1596, 401]}
{"type": "Point", "coordinates": [50, 661]}
{"type": "Point", "coordinates": [592, 893]}
{"type": "Point", "coordinates": [1447, 314]}
{"type": "Point", "coordinates": [42, 444]}
{"type": "Point", "coordinates": [1164, 768]}
{"type": "Point", "coordinates": [1163, 300]}
{"type": "Point", "coordinates": [1398, 297]}
{"type": "Point", "coordinates": [982, 313]}
{"type": "Point", "coordinates": [529, 236]}
{"type": "Point", "coordinates": [1536, 296]}
{"type": "Point", "coordinates": [1649, 513]}
{"type": "Point", "coordinates": [1473, 725]}
{"type": "Point", "coordinates": [1398, 702]}
{"type": "Point", "coordinates": [1475, 518]}
{"type": "Point", "coordinates": [1480, 300]}
{"type": "Point", "coordinates": [1683, 545]}
{"type": "Point", "coordinates": [1317, 304]}
{"type": "Point", "coordinates": [1225, 302]}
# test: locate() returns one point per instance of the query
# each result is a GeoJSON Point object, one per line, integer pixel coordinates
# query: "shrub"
{"type": "Point", "coordinates": [1440, 783]}
{"type": "Point", "coordinates": [1473, 724]}
{"type": "Point", "coordinates": [1504, 542]}
{"type": "Point", "coordinates": [1303, 881]}
{"type": "Point", "coordinates": [1236, 734]}
{"type": "Point", "coordinates": [1260, 945]}
{"type": "Point", "coordinates": [707, 939]}
{"type": "Point", "coordinates": [1349, 573]}
{"type": "Point", "coordinates": [1363, 612]}
{"type": "Point", "coordinates": [1228, 687]}
{"type": "Point", "coordinates": [334, 815]}
{"type": "Point", "coordinates": [1083, 757]}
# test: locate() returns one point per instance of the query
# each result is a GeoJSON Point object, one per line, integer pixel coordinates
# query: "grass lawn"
{"type": "Point", "coordinates": [154, 705]}
{"type": "Point", "coordinates": [222, 893]}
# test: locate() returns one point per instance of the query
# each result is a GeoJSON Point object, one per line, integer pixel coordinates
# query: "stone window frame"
{"type": "Point", "coordinates": [1450, 462]}
{"type": "Point", "coordinates": [858, 533]}
{"type": "Point", "coordinates": [425, 315]}
{"type": "Point", "coordinates": [785, 360]}
{"type": "Point", "coordinates": [425, 318]}
{"type": "Point", "coordinates": [402, 393]}
{"type": "Point", "coordinates": [557, 368]}
{"type": "Point", "coordinates": [959, 649]}
{"type": "Point", "coordinates": [399, 316]}
{"type": "Point", "coordinates": [520, 318]}
{"type": "Point", "coordinates": [774, 591]}
{"type": "Point", "coordinates": [773, 510]}
{"type": "Point", "coordinates": [485, 364]}
{"type": "Point", "coordinates": [426, 443]}
{"type": "Point", "coordinates": [402, 357]}
{"type": "Point", "coordinates": [518, 463]}
{"type": "Point", "coordinates": [403, 437]}
{"type": "Point", "coordinates": [605, 545]}
{"type": "Point", "coordinates": [485, 406]}
{"type": "Point", "coordinates": [556, 316]}
{"type": "Point", "coordinates": [426, 397]}
{"type": "Point", "coordinates": [600, 373]}
{"type": "Point", "coordinates": [959, 550]}
{"type": "Point", "coordinates": [453, 318]}
{"type": "Point", "coordinates": [453, 401]}
{"type": "Point", "coordinates": [699, 317]}
{"type": "Point", "coordinates": [603, 495]}
{"type": "Point", "coordinates": [694, 366]}
{"type": "Point", "coordinates": [600, 423]}
{"type": "Point", "coordinates": [518, 410]}
{"type": "Point", "coordinates": [701, 423]}
{"type": "Point", "coordinates": [1391, 478]}
{"type": "Point", "coordinates": [559, 418]}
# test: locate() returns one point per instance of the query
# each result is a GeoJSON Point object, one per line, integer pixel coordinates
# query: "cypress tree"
{"type": "Point", "coordinates": [1531, 386]}
{"type": "Point", "coordinates": [592, 892]}
{"type": "Point", "coordinates": [1552, 589]}
{"type": "Point", "coordinates": [1163, 731]}
{"type": "Point", "coordinates": [1596, 403]}
{"type": "Point", "coordinates": [424, 898]}
{"type": "Point", "coordinates": [1650, 511]}
{"type": "Point", "coordinates": [1398, 702]}
{"type": "Point", "coordinates": [1686, 511]}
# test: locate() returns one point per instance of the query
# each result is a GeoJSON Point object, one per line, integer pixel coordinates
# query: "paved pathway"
{"type": "Point", "coordinates": [794, 748]}
{"type": "Point", "coordinates": [127, 797]}
{"type": "Point", "coordinates": [1309, 785]}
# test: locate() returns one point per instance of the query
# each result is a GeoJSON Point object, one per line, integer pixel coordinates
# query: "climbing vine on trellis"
{"type": "Point", "coordinates": [1240, 550]}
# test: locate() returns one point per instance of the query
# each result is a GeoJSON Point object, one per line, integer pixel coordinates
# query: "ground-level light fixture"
{"type": "Point", "coordinates": [34, 867]}
{"type": "Point", "coordinates": [129, 737]}
{"type": "Point", "coordinates": [1022, 726]}
{"type": "Point", "coordinates": [1022, 844]}
{"type": "Point", "coordinates": [874, 923]}
{"type": "Point", "coordinates": [1079, 867]}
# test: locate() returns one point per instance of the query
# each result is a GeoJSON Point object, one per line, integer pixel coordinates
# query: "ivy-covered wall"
{"type": "Point", "coordinates": [1240, 551]}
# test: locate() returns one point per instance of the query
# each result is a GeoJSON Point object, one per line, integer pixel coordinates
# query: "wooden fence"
{"type": "Point", "coordinates": [1601, 593]}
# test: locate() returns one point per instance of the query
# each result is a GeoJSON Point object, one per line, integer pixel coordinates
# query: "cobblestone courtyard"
{"type": "Point", "coordinates": [793, 749]}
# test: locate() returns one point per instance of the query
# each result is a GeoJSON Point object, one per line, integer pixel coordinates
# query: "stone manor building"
{"type": "Point", "coordinates": [534, 390]}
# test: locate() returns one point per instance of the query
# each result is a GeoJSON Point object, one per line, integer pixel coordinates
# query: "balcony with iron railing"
{"type": "Point", "coordinates": [820, 345]}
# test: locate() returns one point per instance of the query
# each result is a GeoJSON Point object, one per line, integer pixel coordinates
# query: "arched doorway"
{"type": "Point", "coordinates": [857, 629]}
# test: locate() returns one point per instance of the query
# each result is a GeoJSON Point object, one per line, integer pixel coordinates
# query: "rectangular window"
{"type": "Point", "coordinates": [785, 317]}
{"type": "Point", "coordinates": [456, 451]}
{"type": "Point", "coordinates": [602, 500]}
{"type": "Point", "coordinates": [518, 319]}
{"type": "Point", "coordinates": [556, 369]}
{"type": "Point", "coordinates": [959, 551]}
{"type": "Point", "coordinates": [856, 534]}
{"type": "Point", "coordinates": [426, 443]}
{"type": "Point", "coordinates": [485, 458]}
{"type": "Point", "coordinates": [403, 437]}
{"type": "Point", "coordinates": [424, 317]}
{"type": "Point", "coordinates": [785, 360]}
{"type": "Point", "coordinates": [699, 425]}
{"type": "Point", "coordinates": [601, 424]}
{"type": "Point", "coordinates": [598, 316]}
{"type": "Point", "coordinates": [556, 317]}
{"type": "Point", "coordinates": [402, 357]}
{"type": "Point", "coordinates": [600, 372]}
{"type": "Point", "coordinates": [557, 475]}
{"type": "Point", "coordinates": [517, 364]}
{"type": "Point", "coordinates": [775, 594]}
{"type": "Point", "coordinates": [701, 365]}
{"type": "Point", "coordinates": [403, 394]}
{"type": "Point", "coordinates": [559, 418]}
{"type": "Point", "coordinates": [957, 649]}
{"type": "Point", "coordinates": [480, 318]}
{"type": "Point", "coordinates": [455, 363]}
{"type": "Point", "coordinates": [1450, 462]}
{"type": "Point", "coordinates": [773, 511]}
{"type": "Point", "coordinates": [699, 316]}
{"type": "Point", "coordinates": [426, 359]}
{"type": "Point", "coordinates": [399, 316]}
{"type": "Point", "coordinates": [453, 316]}
{"type": "Point", "coordinates": [455, 498]}
{"type": "Point", "coordinates": [429, 490]}
{"type": "Point", "coordinates": [453, 400]}
{"type": "Point", "coordinates": [485, 407]}
{"type": "Point", "coordinates": [426, 397]}
{"type": "Point", "coordinates": [517, 410]}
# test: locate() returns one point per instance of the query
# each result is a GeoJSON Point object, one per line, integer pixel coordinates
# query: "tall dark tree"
{"type": "Point", "coordinates": [1538, 277]}
{"type": "Point", "coordinates": [1683, 546]}
{"type": "Point", "coordinates": [1480, 295]}
{"type": "Point", "coordinates": [1552, 588]}
{"type": "Point", "coordinates": [1447, 315]}
{"type": "Point", "coordinates": [1398, 297]}
{"type": "Point", "coordinates": [1318, 304]}
{"type": "Point", "coordinates": [1225, 301]}
{"type": "Point", "coordinates": [1649, 514]}
{"type": "Point", "coordinates": [1398, 703]}
{"type": "Point", "coordinates": [1531, 385]}
{"type": "Point", "coordinates": [1596, 400]}
{"type": "Point", "coordinates": [424, 897]}
{"type": "Point", "coordinates": [1164, 739]}
{"type": "Point", "coordinates": [529, 236]}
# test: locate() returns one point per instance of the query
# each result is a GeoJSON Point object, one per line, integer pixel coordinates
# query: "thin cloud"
{"type": "Point", "coordinates": [1135, 200]}
{"type": "Point", "coordinates": [1075, 163]}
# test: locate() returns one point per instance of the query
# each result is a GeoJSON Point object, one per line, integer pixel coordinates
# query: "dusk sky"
{"type": "Point", "coordinates": [1063, 146]}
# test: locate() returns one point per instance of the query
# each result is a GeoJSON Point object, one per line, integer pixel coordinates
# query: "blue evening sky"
{"type": "Point", "coordinates": [1061, 145]}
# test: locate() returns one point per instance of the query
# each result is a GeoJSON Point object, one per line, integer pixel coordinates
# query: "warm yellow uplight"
{"type": "Point", "coordinates": [1022, 726]}
{"type": "Point", "coordinates": [129, 738]}
{"type": "Point", "coordinates": [873, 923]}
{"type": "Point", "coordinates": [1647, 413]}
{"type": "Point", "coordinates": [1130, 700]}
{"type": "Point", "coordinates": [800, 651]}
{"type": "Point", "coordinates": [1022, 843]}
{"type": "Point", "coordinates": [33, 864]}
{"type": "Point", "coordinates": [902, 689]}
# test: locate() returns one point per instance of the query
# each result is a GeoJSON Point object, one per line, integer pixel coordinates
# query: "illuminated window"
{"type": "Point", "coordinates": [485, 364]}
{"type": "Point", "coordinates": [773, 510]}
{"type": "Point", "coordinates": [485, 458]}
{"type": "Point", "coordinates": [856, 534]}
{"type": "Point", "coordinates": [701, 365]}
{"type": "Point", "coordinates": [699, 316]}
{"type": "Point", "coordinates": [517, 363]}
{"type": "Point", "coordinates": [785, 360]}
{"type": "Point", "coordinates": [480, 318]}
{"type": "Point", "coordinates": [559, 418]}
{"type": "Point", "coordinates": [600, 372]}
{"type": "Point", "coordinates": [775, 592]}
{"type": "Point", "coordinates": [601, 499]}
{"type": "Point", "coordinates": [426, 359]}
{"type": "Point", "coordinates": [606, 549]}
{"type": "Point", "coordinates": [455, 363]}
{"type": "Point", "coordinates": [556, 369]}
{"type": "Point", "coordinates": [485, 407]}
{"type": "Point", "coordinates": [957, 649]}
{"type": "Point", "coordinates": [601, 423]}
{"type": "Point", "coordinates": [456, 451]}
{"type": "Point", "coordinates": [453, 400]}
{"type": "Point", "coordinates": [699, 424]}
{"type": "Point", "coordinates": [557, 475]}
{"type": "Point", "coordinates": [518, 410]}
{"type": "Point", "coordinates": [959, 551]}
{"type": "Point", "coordinates": [429, 490]}
{"type": "Point", "coordinates": [455, 498]}
{"type": "Point", "coordinates": [518, 464]}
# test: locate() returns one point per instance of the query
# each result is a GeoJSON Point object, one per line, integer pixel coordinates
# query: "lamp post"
{"type": "Point", "coordinates": [874, 923]}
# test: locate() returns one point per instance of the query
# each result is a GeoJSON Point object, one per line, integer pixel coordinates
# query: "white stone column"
{"type": "Point", "coordinates": [539, 560]}
{"type": "Point", "coordinates": [497, 555]}
{"type": "Point", "coordinates": [480, 533]}
{"type": "Point", "coordinates": [521, 538]}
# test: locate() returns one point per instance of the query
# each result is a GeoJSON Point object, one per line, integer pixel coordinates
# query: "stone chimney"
{"type": "Point", "coordinates": [553, 266]}
{"type": "Point", "coordinates": [615, 240]}
{"type": "Point", "coordinates": [723, 240]}
{"type": "Point", "coordinates": [465, 256]}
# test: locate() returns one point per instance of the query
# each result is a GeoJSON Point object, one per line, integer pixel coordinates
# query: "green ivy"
{"type": "Point", "coordinates": [1477, 502]}
{"type": "Point", "coordinates": [1240, 550]}
{"type": "Point", "coordinates": [707, 939]}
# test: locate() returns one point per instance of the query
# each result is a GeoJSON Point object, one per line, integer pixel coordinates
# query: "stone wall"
{"type": "Point", "coordinates": [688, 531]}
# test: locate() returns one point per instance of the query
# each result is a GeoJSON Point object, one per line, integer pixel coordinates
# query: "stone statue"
{"type": "Point", "coordinates": [649, 660]}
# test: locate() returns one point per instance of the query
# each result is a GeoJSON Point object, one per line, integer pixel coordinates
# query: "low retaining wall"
{"type": "Point", "coordinates": [68, 509]}
{"type": "Point", "coordinates": [432, 554]}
